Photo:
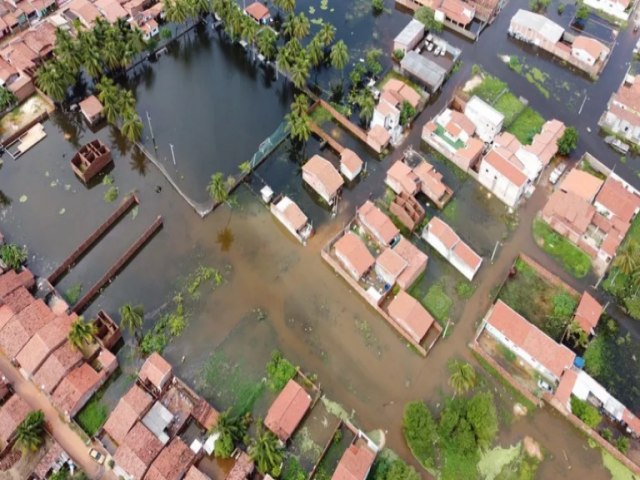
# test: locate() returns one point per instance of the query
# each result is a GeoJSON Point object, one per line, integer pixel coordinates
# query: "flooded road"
{"type": "Point", "coordinates": [309, 313]}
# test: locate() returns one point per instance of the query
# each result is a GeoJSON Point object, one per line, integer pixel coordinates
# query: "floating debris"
{"type": "Point", "coordinates": [23, 199]}
{"type": "Point", "coordinates": [62, 210]}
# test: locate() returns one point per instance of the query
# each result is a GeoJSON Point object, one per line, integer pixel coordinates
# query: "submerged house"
{"type": "Point", "coordinates": [288, 410]}
{"type": "Point", "coordinates": [410, 315]}
{"type": "Point", "coordinates": [292, 217]}
{"type": "Point", "coordinates": [354, 255]}
{"type": "Point", "coordinates": [91, 109]}
{"type": "Point", "coordinates": [325, 180]}
{"type": "Point", "coordinates": [350, 164]}
{"type": "Point", "coordinates": [378, 224]}
{"type": "Point", "coordinates": [90, 160]}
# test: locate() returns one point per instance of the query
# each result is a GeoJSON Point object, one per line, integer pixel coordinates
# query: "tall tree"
{"type": "Point", "coordinates": [300, 71]}
{"type": "Point", "coordinates": [326, 34]}
{"type": "Point", "coordinates": [131, 125]}
{"type": "Point", "coordinates": [286, 6]}
{"type": "Point", "coordinates": [81, 333]}
{"type": "Point", "coordinates": [266, 452]}
{"type": "Point", "coordinates": [30, 432]}
{"type": "Point", "coordinates": [367, 105]}
{"type": "Point", "coordinates": [230, 430]}
{"type": "Point", "coordinates": [266, 43]}
{"type": "Point", "coordinates": [132, 318]}
{"type": "Point", "coordinates": [462, 377]}
{"type": "Point", "coordinates": [339, 55]}
{"type": "Point", "coordinates": [628, 258]}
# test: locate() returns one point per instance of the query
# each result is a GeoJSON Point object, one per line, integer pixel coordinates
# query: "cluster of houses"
{"type": "Point", "coordinates": [622, 116]}
{"type": "Point", "coordinates": [593, 212]}
{"type": "Point", "coordinates": [620, 9]}
{"type": "Point", "coordinates": [583, 52]}
{"type": "Point", "coordinates": [32, 25]}
{"type": "Point", "coordinates": [470, 134]}
{"type": "Point", "coordinates": [33, 335]}
{"type": "Point", "coordinates": [458, 12]}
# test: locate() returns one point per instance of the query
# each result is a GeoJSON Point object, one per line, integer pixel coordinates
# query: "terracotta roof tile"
{"type": "Point", "coordinates": [56, 366]}
{"type": "Point", "coordinates": [127, 412]}
{"type": "Point", "coordinates": [325, 173]}
{"type": "Point", "coordinates": [379, 224]}
{"type": "Point", "coordinates": [257, 11]}
{"type": "Point", "coordinates": [588, 312]}
{"type": "Point", "coordinates": [287, 410]}
{"type": "Point", "coordinates": [19, 299]}
{"type": "Point", "coordinates": [618, 200]}
{"type": "Point", "coordinates": [138, 450]}
{"type": "Point", "coordinates": [45, 341]}
{"type": "Point", "coordinates": [76, 388]}
{"type": "Point", "coordinates": [194, 474]}
{"type": "Point", "coordinates": [351, 249]}
{"type": "Point", "coordinates": [416, 262]}
{"type": "Point", "coordinates": [412, 316]}
{"type": "Point", "coordinates": [156, 370]}
{"type": "Point", "coordinates": [12, 413]}
{"type": "Point", "coordinates": [355, 463]}
{"type": "Point", "coordinates": [582, 184]}
{"type": "Point", "coordinates": [172, 462]}
{"type": "Point", "coordinates": [17, 332]}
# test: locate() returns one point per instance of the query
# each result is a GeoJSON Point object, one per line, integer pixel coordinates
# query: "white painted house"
{"type": "Point", "coordinates": [502, 177]}
{"type": "Point", "coordinates": [617, 8]}
{"type": "Point", "coordinates": [588, 50]}
{"type": "Point", "coordinates": [488, 120]}
{"type": "Point", "coordinates": [387, 116]}
{"type": "Point", "coordinates": [409, 37]}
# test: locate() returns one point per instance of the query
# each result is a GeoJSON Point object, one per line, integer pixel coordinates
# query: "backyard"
{"type": "Point", "coordinates": [544, 304]}
{"type": "Point", "coordinates": [570, 257]}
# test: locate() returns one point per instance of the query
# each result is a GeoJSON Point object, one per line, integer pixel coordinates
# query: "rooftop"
{"type": "Point", "coordinates": [423, 68]}
{"type": "Point", "coordinates": [506, 168]}
{"type": "Point", "coordinates": [618, 200]}
{"type": "Point", "coordinates": [410, 32]}
{"type": "Point", "coordinates": [138, 450]}
{"type": "Point", "coordinates": [288, 410]}
{"type": "Point", "coordinates": [355, 463]}
{"type": "Point", "coordinates": [582, 184]}
{"type": "Point", "coordinates": [56, 366]}
{"type": "Point", "coordinates": [156, 370]}
{"type": "Point", "coordinates": [91, 106]}
{"type": "Point", "coordinates": [12, 413]}
{"type": "Point", "coordinates": [17, 332]}
{"type": "Point", "coordinates": [375, 220]}
{"type": "Point", "coordinates": [172, 462]}
{"type": "Point", "coordinates": [588, 312]}
{"type": "Point", "coordinates": [72, 392]}
{"type": "Point", "coordinates": [549, 30]}
{"type": "Point", "coordinates": [411, 315]}
{"type": "Point", "coordinates": [258, 11]}
{"type": "Point", "coordinates": [325, 173]}
{"type": "Point", "coordinates": [353, 250]}
{"type": "Point", "coordinates": [590, 45]}
{"type": "Point", "coordinates": [127, 412]}
{"type": "Point", "coordinates": [391, 262]}
{"type": "Point", "coordinates": [45, 341]}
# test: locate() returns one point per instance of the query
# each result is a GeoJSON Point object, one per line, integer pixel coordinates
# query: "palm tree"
{"type": "Point", "coordinates": [174, 11]}
{"type": "Point", "coordinates": [108, 96]}
{"type": "Point", "coordinates": [462, 378]}
{"type": "Point", "coordinates": [339, 55]}
{"type": "Point", "coordinates": [300, 71]}
{"type": "Point", "coordinates": [298, 126]}
{"type": "Point", "coordinates": [315, 52]}
{"type": "Point", "coordinates": [230, 430]}
{"type": "Point", "coordinates": [367, 105]}
{"type": "Point", "coordinates": [287, 6]}
{"type": "Point", "coordinates": [30, 432]}
{"type": "Point", "coordinates": [217, 188]}
{"type": "Point", "coordinates": [131, 318]}
{"type": "Point", "coordinates": [53, 79]}
{"type": "Point", "coordinates": [300, 105]}
{"type": "Point", "coordinates": [628, 258]}
{"type": "Point", "coordinates": [326, 34]}
{"type": "Point", "coordinates": [266, 43]}
{"type": "Point", "coordinates": [575, 332]}
{"type": "Point", "coordinates": [131, 126]}
{"type": "Point", "coordinates": [250, 33]}
{"type": "Point", "coordinates": [301, 26]}
{"type": "Point", "coordinates": [81, 333]}
{"type": "Point", "coordinates": [266, 452]}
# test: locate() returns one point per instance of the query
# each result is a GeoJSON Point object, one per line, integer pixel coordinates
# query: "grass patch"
{"type": "Point", "coordinates": [617, 470]}
{"type": "Point", "coordinates": [321, 115]}
{"type": "Point", "coordinates": [437, 302]}
{"type": "Point", "coordinates": [93, 415]}
{"type": "Point", "coordinates": [509, 105]}
{"type": "Point", "coordinates": [72, 294]}
{"type": "Point", "coordinates": [465, 289]}
{"type": "Point", "coordinates": [572, 259]}
{"type": "Point", "coordinates": [526, 125]}
{"type": "Point", "coordinates": [450, 211]}
{"type": "Point", "coordinates": [458, 465]}
{"type": "Point", "coordinates": [490, 88]}
{"type": "Point", "coordinates": [515, 393]}
{"type": "Point", "coordinates": [279, 372]}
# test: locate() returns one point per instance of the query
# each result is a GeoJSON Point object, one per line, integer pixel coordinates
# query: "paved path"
{"type": "Point", "coordinates": [59, 429]}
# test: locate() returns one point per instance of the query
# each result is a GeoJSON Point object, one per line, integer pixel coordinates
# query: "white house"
{"type": "Point", "coordinates": [616, 8]}
{"type": "Point", "coordinates": [350, 164]}
{"type": "Point", "coordinates": [409, 37]}
{"type": "Point", "coordinates": [588, 50]}
{"type": "Point", "coordinates": [488, 120]}
{"type": "Point", "coordinates": [528, 342]}
{"type": "Point", "coordinates": [387, 116]}
{"type": "Point", "coordinates": [502, 177]}
{"type": "Point", "coordinates": [448, 244]}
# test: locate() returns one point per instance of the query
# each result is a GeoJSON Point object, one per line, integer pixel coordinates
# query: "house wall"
{"type": "Point", "coordinates": [609, 7]}
{"type": "Point", "coordinates": [347, 265]}
{"type": "Point", "coordinates": [583, 56]}
{"type": "Point", "coordinates": [386, 276]}
{"type": "Point", "coordinates": [500, 185]}
{"type": "Point", "coordinates": [318, 186]}
{"type": "Point", "coordinates": [485, 129]}
{"type": "Point", "coordinates": [453, 259]}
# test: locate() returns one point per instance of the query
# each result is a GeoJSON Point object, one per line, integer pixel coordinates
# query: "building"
{"type": "Point", "coordinates": [288, 410]}
{"type": "Point", "coordinates": [588, 313]}
{"type": "Point", "coordinates": [621, 9]}
{"type": "Point", "coordinates": [503, 177]}
{"type": "Point", "coordinates": [415, 259]}
{"type": "Point", "coordinates": [323, 178]}
{"type": "Point", "coordinates": [407, 312]}
{"type": "Point", "coordinates": [136, 453]}
{"type": "Point", "coordinates": [91, 109]}
{"type": "Point", "coordinates": [172, 462]}
{"type": "Point", "coordinates": [457, 12]}
{"type": "Point", "coordinates": [350, 164]}
{"type": "Point", "coordinates": [424, 70]}
{"type": "Point", "coordinates": [90, 160]}
{"type": "Point", "coordinates": [588, 50]}
{"type": "Point", "coordinates": [409, 37]}
{"type": "Point", "coordinates": [487, 120]}
{"type": "Point", "coordinates": [42, 344]}
{"type": "Point", "coordinates": [135, 403]}
{"type": "Point", "coordinates": [378, 224]}
{"type": "Point", "coordinates": [12, 413]}
{"type": "Point", "coordinates": [387, 115]}
{"type": "Point", "coordinates": [389, 265]}
{"type": "Point", "coordinates": [354, 255]}
{"type": "Point", "coordinates": [155, 373]}
{"type": "Point", "coordinates": [84, 11]}
{"type": "Point", "coordinates": [582, 184]}
{"type": "Point", "coordinates": [378, 138]}
{"type": "Point", "coordinates": [194, 474]}
{"type": "Point", "coordinates": [400, 178]}
{"type": "Point", "coordinates": [448, 244]}
{"type": "Point", "coordinates": [423, 177]}
{"type": "Point", "coordinates": [622, 116]}
{"type": "Point", "coordinates": [355, 463]}
{"type": "Point", "coordinates": [530, 344]}
{"type": "Point", "coordinates": [22, 326]}
{"type": "Point", "coordinates": [64, 359]}
{"type": "Point", "coordinates": [111, 10]}
{"type": "Point", "coordinates": [292, 217]}
{"type": "Point", "coordinates": [407, 210]}
{"type": "Point", "coordinates": [242, 468]}
{"type": "Point", "coordinates": [259, 12]}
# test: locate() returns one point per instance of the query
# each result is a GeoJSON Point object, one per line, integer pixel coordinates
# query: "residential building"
{"type": "Point", "coordinates": [407, 312]}
{"type": "Point", "coordinates": [259, 12]}
{"type": "Point", "coordinates": [91, 109]}
{"type": "Point", "coordinates": [43, 343]}
{"type": "Point", "coordinates": [581, 184]}
{"type": "Point", "coordinates": [424, 70]}
{"type": "Point", "coordinates": [588, 50]}
{"type": "Point", "coordinates": [387, 116]}
{"type": "Point", "coordinates": [84, 11]}
{"type": "Point", "coordinates": [415, 259]}
{"type": "Point", "coordinates": [389, 265]}
{"type": "Point", "coordinates": [378, 138]}
{"type": "Point", "coordinates": [350, 164]}
{"type": "Point", "coordinates": [51, 462]}
{"type": "Point", "coordinates": [111, 10]}
{"type": "Point", "coordinates": [354, 255]}
{"type": "Point", "coordinates": [500, 175]}
{"type": "Point", "coordinates": [588, 313]}
{"type": "Point", "coordinates": [622, 116]}
{"type": "Point", "coordinates": [616, 8]}
{"type": "Point", "coordinates": [172, 462]}
{"type": "Point", "coordinates": [487, 120]}
{"type": "Point", "coordinates": [407, 210]}
{"type": "Point", "coordinates": [135, 403]}
{"type": "Point", "coordinates": [355, 463]}
{"type": "Point", "coordinates": [90, 160]}
{"type": "Point", "coordinates": [242, 468]}
{"type": "Point", "coordinates": [22, 326]}
{"type": "Point", "coordinates": [150, 29]}
{"type": "Point", "coordinates": [156, 373]}
{"type": "Point", "coordinates": [288, 410]}
{"type": "Point", "coordinates": [528, 342]}
{"type": "Point", "coordinates": [323, 178]}
{"type": "Point", "coordinates": [292, 217]}
{"type": "Point", "coordinates": [409, 37]}
{"type": "Point", "coordinates": [448, 244]}
{"type": "Point", "coordinates": [195, 474]}
{"type": "Point", "coordinates": [12, 413]}
{"type": "Point", "coordinates": [64, 359]}
{"type": "Point", "coordinates": [136, 453]}
{"type": "Point", "coordinates": [378, 224]}
{"type": "Point", "coordinates": [457, 12]}
{"type": "Point", "coordinates": [485, 10]}
{"type": "Point", "coordinates": [423, 177]}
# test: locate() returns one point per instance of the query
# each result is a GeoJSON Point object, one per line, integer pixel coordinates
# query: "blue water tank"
{"type": "Point", "coordinates": [579, 362]}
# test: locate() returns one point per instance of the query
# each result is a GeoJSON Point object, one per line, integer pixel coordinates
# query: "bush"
{"type": "Point", "coordinates": [377, 6]}
{"type": "Point", "coordinates": [12, 255]}
{"type": "Point", "coordinates": [607, 434]}
{"type": "Point", "coordinates": [561, 8]}
{"type": "Point", "coordinates": [279, 371]}
{"type": "Point", "coordinates": [398, 54]}
{"type": "Point", "coordinates": [407, 112]}
{"type": "Point", "coordinates": [465, 289]}
{"type": "Point", "coordinates": [585, 412]}
{"type": "Point", "coordinates": [568, 142]}
{"type": "Point", "coordinates": [427, 16]}
{"type": "Point", "coordinates": [582, 13]}
{"type": "Point", "coordinates": [538, 5]}
{"type": "Point", "coordinates": [622, 444]}
{"type": "Point", "coordinates": [420, 433]}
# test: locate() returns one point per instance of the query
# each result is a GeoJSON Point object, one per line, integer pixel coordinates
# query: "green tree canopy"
{"type": "Point", "coordinates": [420, 432]}
{"type": "Point", "coordinates": [30, 432]}
{"type": "Point", "coordinates": [568, 142]}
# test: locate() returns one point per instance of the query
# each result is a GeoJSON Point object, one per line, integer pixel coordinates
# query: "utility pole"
{"type": "Point", "coordinates": [495, 249]}
{"type": "Point", "coordinates": [173, 155]}
{"type": "Point", "coordinates": [153, 138]}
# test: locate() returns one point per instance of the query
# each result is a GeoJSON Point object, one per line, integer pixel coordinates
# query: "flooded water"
{"type": "Point", "coordinates": [208, 100]}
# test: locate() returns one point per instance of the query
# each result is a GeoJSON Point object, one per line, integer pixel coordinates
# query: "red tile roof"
{"type": "Point", "coordinates": [156, 370]}
{"type": "Point", "coordinates": [9, 281]}
{"type": "Point", "coordinates": [172, 462]}
{"type": "Point", "coordinates": [588, 312]}
{"type": "Point", "coordinates": [411, 315]}
{"type": "Point", "coordinates": [467, 255]}
{"type": "Point", "coordinates": [287, 410]}
{"type": "Point", "coordinates": [350, 248]}
{"type": "Point", "coordinates": [45, 341]}
{"type": "Point", "coordinates": [76, 388]}
{"type": "Point", "coordinates": [355, 463]}
{"type": "Point", "coordinates": [582, 184]}
{"type": "Point", "coordinates": [506, 168]}
{"type": "Point", "coordinates": [377, 222]}
{"type": "Point", "coordinates": [128, 411]}
{"type": "Point", "coordinates": [391, 262]}
{"type": "Point", "coordinates": [416, 262]}
{"type": "Point", "coordinates": [91, 107]}
{"type": "Point", "coordinates": [632, 421]}
{"type": "Point", "coordinates": [18, 300]}
{"type": "Point", "coordinates": [195, 474]}
{"type": "Point", "coordinates": [12, 413]}
{"type": "Point", "coordinates": [17, 332]}
{"type": "Point", "coordinates": [325, 173]}
{"type": "Point", "coordinates": [138, 451]}
{"type": "Point", "coordinates": [458, 11]}
{"type": "Point", "coordinates": [48, 462]}
{"type": "Point", "coordinates": [56, 366]}
{"type": "Point", "coordinates": [6, 314]}
{"type": "Point", "coordinates": [401, 173]}
{"type": "Point", "coordinates": [443, 232]}
{"type": "Point", "coordinates": [565, 387]}
{"type": "Point", "coordinates": [257, 11]}
{"type": "Point", "coordinates": [351, 160]}
{"type": "Point", "coordinates": [569, 209]}
{"type": "Point", "coordinates": [590, 45]}
{"type": "Point", "coordinates": [242, 468]}
{"type": "Point", "coordinates": [555, 357]}
{"type": "Point", "coordinates": [618, 200]}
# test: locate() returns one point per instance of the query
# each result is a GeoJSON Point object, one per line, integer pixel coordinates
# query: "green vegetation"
{"type": "Point", "coordinates": [427, 16]}
{"type": "Point", "coordinates": [540, 302]}
{"type": "Point", "coordinates": [527, 124]}
{"type": "Point", "coordinates": [279, 372]}
{"type": "Point", "coordinates": [231, 430]}
{"type": "Point", "coordinates": [585, 412]}
{"type": "Point", "coordinates": [321, 115]}
{"type": "Point", "coordinates": [119, 107]}
{"type": "Point", "coordinates": [293, 470]}
{"type": "Point", "coordinates": [298, 120]}
{"type": "Point", "coordinates": [438, 302]}
{"type": "Point", "coordinates": [81, 333]}
{"type": "Point", "coordinates": [539, 5]}
{"type": "Point", "coordinates": [623, 280]}
{"type": "Point", "coordinates": [511, 463]}
{"type": "Point", "coordinates": [572, 259]}
{"type": "Point", "coordinates": [568, 142]}
{"type": "Point", "coordinates": [93, 415]}
{"type": "Point", "coordinates": [72, 294]}
{"type": "Point", "coordinates": [111, 194]}
{"type": "Point", "coordinates": [377, 6]}
{"type": "Point", "coordinates": [7, 98]}
{"type": "Point", "coordinates": [132, 318]}
{"type": "Point", "coordinates": [388, 466]}
{"type": "Point", "coordinates": [582, 12]}
{"type": "Point", "coordinates": [465, 289]}
{"type": "Point", "coordinates": [267, 453]}
{"type": "Point", "coordinates": [420, 432]}
{"type": "Point", "coordinates": [12, 255]}
{"type": "Point", "coordinates": [490, 89]}
{"type": "Point", "coordinates": [462, 377]}
{"type": "Point", "coordinates": [407, 112]}
{"type": "Point", "coordinates": [514, 64]}
{"type": "Point", "coordinates": [30, 433]}
{"type": "Point", "coordinates": [617, 470]}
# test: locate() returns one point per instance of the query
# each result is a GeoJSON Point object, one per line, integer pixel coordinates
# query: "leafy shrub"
{"type": "Point", "coordinates": [585, 412]}
{"type": "Point", "coordinates": [279, 371]}
{"type": "Point", "coordinates": [420, 432]}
